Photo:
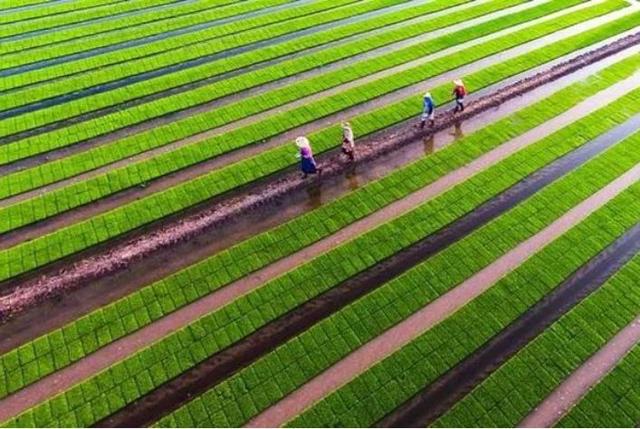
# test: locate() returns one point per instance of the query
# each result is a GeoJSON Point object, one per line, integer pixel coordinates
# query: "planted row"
{"type": "Point", "coordinates": [67, 13]}
{"type": "Point", "coordinates": [181, 350]}
{"type": "Point", "coordinates": [69, 344]}
{"type": "Point", "coordinates": [66, 241]}
{"type": "Point", "coordinates": [108, 123]}
{"type": "Point", "coordinates": [503, 400]}
{"type": "Point", "coordinates": [123, 63]}
{"type": "Point", "coordinates": [159, 136]}
{"type": "Point", "coordinates": [394, 380]}
{"type": "Point", "coordinates": [105, 33]}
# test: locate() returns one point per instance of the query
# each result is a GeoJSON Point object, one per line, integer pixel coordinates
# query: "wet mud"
{"type": "Point", "coordinates": [199, 379]}
{"type": "Point", "coordinates": [435, 400]}
{"type": "Point", "coordinates": [122, 256]}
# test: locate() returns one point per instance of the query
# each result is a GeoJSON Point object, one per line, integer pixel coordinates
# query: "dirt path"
{"type": "Point", "coordinates": [591, 372]}
{"type": "Point", "coordinates": [90, 268]}
{"type": "Point", "coordinates": [56, 313]}
{"type": "Point", "coordinates": [403, 333]}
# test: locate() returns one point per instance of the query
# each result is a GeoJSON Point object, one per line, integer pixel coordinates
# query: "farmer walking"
{"type": "Point", "coordinates": [307, 163]}
{"type": "Point", "coordinates": [459, 92]}
{"type": "Point", "coordinates": [428, 111]}
{"type": "Point", "coordinates": [348, 142]}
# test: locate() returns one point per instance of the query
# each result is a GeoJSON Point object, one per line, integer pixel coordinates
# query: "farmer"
{"type": "Point", "coordinates": [459, 92]}
{"type": "Point", "coordinates": [428, 111]}
{"type": "Point", "coordinates": [348, 142]}
{"type": "Point", "coordinates": [307, 163]}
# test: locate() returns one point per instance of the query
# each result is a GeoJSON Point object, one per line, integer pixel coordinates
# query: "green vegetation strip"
{"type": "Point", "coordinates": [134, 60]}
{"type": "Point", "coordinates": [108, 123]}
{"type": "Point", "coordinates": [99, 34]}
{"type": "Point", "coordinates": [513, 391]}
{"type": "Point", "coordinates": [615, 401]}
{"type": "Point", "coordinates": [74, 16]}
{"type": "Point", "coordinates": [58, 170]}
{"type": "Point", "coordinates": [394, 380]}
{"type": "Point", "coordinates": [218, 67]}
{"type": "Point", "coordinates": [84, 336]}
{"type": "Point", "coordinates": [74, 238]}
{"type": "Point", "coordinates": [231, 323]}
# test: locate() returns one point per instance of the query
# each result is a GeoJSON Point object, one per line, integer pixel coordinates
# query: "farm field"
{"type": "Point", "coordinates": [164, 262]}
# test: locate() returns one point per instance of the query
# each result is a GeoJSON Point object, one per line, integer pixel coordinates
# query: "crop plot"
{"type": "Point", "coordinates": [164, 263]}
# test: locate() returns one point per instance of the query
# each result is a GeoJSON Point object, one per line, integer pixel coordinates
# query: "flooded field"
{"type": "Point", "coordinates": [172, 254]}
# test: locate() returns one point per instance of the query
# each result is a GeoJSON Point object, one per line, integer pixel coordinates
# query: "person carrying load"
{"type": "Point", "coordinates": [307, 162]}
{"type": "Point", "coordinates": [428, 111]}
{"type": "Point", "coordinates": [459, 92]}
{"type": "Point", "coordinates": [348, 141]}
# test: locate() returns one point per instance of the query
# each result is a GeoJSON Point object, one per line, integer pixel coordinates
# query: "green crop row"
{"type": "Point", "coordinates": [67, 167]}
{"type": "Point", "coordinates": [69, 240]}
{"type": "Point", "coordinates": [120, 64]}
{"type": "Point", "coordinates": [103, 326]}
{"type": "Point", "coordinates": [80, 132]}
{"type": "Point", "coordinates": [218, 67]}
{"type": "Point", "coordinates": [388, 384]}
{"type": "Point", "coordinates": [512, 392]}
{"type": "Point", "coordinates": [615, 400]}
{"type": "Point", "coordinates": [90, 9]}
{"type": "Point", "coordinates": [103, 33]}
{"type": "Point", "coordinates": [186, 347]}
{"type": "Point", "coordinates": [8, 6]}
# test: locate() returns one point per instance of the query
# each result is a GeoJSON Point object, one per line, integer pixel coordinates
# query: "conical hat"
{"type": "Point", "coordinates": [458, 82]}
{"type": "Point", "coordinates": [302, 142]}
{"type": "Point", "coordinates": [427, 95]}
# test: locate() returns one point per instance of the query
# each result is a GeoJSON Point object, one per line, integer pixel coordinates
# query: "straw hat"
{"type": "Point", "coordinates": [458, 82]}
{"type": "Point", "coordinates": [302, 142]}
{"type": "Point", "coordinates": [345, 124]}
{"type": "Point", "coordinates": [427, 95]}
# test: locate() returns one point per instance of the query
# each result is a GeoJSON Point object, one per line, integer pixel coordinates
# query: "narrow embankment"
{"type": "Point", "coordinates": [168, 261]}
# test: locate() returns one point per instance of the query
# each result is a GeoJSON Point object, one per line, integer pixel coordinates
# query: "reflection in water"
{"type": "Point", "coordinates": [429, 144]}
{"type": "Point", "coordinates": [352, 178]}
{"type": "Point", "coordinates": [457, 131]}
{"type": "Point", "coordinates": [314, 195]}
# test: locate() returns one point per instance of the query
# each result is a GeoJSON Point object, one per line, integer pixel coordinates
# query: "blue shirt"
{"type": "Point", "coordinates": [428, 105]}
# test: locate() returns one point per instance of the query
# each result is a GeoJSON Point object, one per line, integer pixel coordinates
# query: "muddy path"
{"type": "Point", "coordinates": [161, 264]}
{"type": "Point", "coordinates": [437, 398]}
{"type": "Point", "coordinates": [261, 65]}
{"type": "Point", "coordinates": [199, 379]}
{"type": "Point", "coordinates": [433, 313]}
{"type": "Point", "coordinates": [113, 259]}
{"type": "Point", "coordinates": [115, 200]}
{"type": "Point", "coordinates": [55, 313]}
{"type": "Point", "coordinates": [580, 382]}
